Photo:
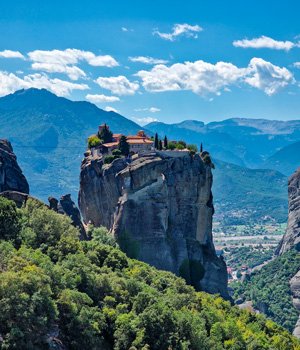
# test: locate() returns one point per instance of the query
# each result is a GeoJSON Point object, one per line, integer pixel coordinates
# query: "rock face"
{"type": "Point", "coordinates": [291, 239]}
{"type": "Point", "coordinates": [295, 288]}
{"type": "Point", "coordinates": [11, 176]}
{"type": "Point", "coordinates": [160, 209]}
{"type": "Point", "coordinates": [66, 206]}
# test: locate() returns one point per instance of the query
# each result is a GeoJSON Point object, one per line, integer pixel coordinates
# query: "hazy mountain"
{"type": "Point", "coordinates": [242, 195]}
{"type": "Point", "coordinates": [49, 133]}
{"type": "Point", "coordinates": [248, 142]}
{"type": "Point", "coordinates": [286, 160]}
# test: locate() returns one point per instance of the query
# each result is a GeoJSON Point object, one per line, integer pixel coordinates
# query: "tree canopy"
{"type": "Point", "coordinates": [90, 295]}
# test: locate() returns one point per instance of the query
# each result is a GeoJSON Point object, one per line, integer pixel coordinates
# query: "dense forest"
{"type": "Point", "coordinates": [269, 289]}
{"type": "Point", "coordinates": [55, 289]}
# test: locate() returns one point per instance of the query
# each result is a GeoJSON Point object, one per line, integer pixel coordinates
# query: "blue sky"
{"type": "Point", "coordinates": [158, 60]}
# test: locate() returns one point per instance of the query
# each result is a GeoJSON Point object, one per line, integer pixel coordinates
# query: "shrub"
{"type": "Point", "coordinates": [110, 159]}
{"type": "Point", "coordinates": [94, 141]}
{"type": "Point", "coordinates": [116, 152]}
{"type": "Point", "coordinates": [180, 146]}
{"type": "Point", "coordinates": [192, 148]}
{"type": "Point", "coordinates": [171, 146]}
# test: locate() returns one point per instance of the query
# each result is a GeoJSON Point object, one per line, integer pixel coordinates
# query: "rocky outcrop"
{"type": "Point", "coordinates": [291, 239]}
{"type": "Point", "coordinates": [295, 289]}
{"type": "Point", "coordinates": [66, 206]}
{"type": "Point", "coordinates": [160, 209]}
{"type": "Point", "coordinates": [11, 176]}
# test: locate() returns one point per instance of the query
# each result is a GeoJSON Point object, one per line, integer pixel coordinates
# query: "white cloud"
{"type": "Point", "coordinates": [207, 79]}
{"type": "Point", "coordinates": [118, 85]}
{"type": "Point", "coordinates": [101, 98]}
{"type": "Point", "coordinates": [265, 42]}
{"type": "Point", "coordinates": [185, 29]}
{"type": "Point", "coordinates": [10, 83]}
{"type": "Point", "coordinates": [72, 72]}
{"type": "Point", "coordinates": [151, 109]}
{"type": "Point", "coordinates": [111, 109]}
{"type": "Point", "coordinates": [297, 65]}
{"type": "Point", "coordinates": [144, 121]}
{"type": "Point", "coordinates": [265, 76]}
{"type": "Point", "coordinates": [11, 54]}
{"type": "Point", "coordinates": [200, 77]}
{"type": "Point", "coordinates": [124, 29]}
{"type": "Point", "coordinates": [64, 61]}
{"type": "Point", "coordinates": [72, 56]}
{"type": "Point", "coordinates": [148, 60]}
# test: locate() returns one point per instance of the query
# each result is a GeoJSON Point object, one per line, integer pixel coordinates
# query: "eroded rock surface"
{"type": "Point", "coordinates": [11, 176]}
{"type": "Point", "coordinates": [291, 239]}
{"type": "Point", "coordinates": [160, 209]}
{"type": "Point", "coordinates": [295, 289]}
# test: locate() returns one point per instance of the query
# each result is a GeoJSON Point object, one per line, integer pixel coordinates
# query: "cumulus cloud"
{"type": "Point", "coordinates": [200, 77]}
{"type": "Point", "coordinates": [118, 85]}
{"type": "Point", "coordinates": [151, 109]}
{"type": "Point", "coordinates": [144, 121]}
{"type": "Point", "coordinates": [297, 65]}
{"type": "Point", "coordinates": [207, 79]}
{"type": "Point", "coordinates": [101, 98]}
{"type": "Point", "coordinates": [64, 61]}
{"type": "Point", "coordinates": [11, 54]}
{"type": "Point", "coordinates": [184, 29]}
{"type": "Point", "coordinates": [111, 109]}
{"type": "Point", "coordinates": [72, 56]}
{"type": "Point", "coordinates": [265, 42]}
{"type": "Point", "coordinates": [147, 60]}
{"type": "Point", "coordinates": [72, 72]}
{"type": "Point", "coordinates": [10, 83]}
{"type": "Point", "coordinates": [265, 76]}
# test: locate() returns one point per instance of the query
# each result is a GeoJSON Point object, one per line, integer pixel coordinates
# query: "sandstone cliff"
{"type": "Point", "coordinates": [291, 239]}
{"type": "Point", "coordinates": [11, 176]}
{"type": "Point", "coordinates": [160, 209]}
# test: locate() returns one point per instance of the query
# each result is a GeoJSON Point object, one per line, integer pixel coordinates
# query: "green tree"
{"type": "Point", "coordinates": [105, 134]}
{"type": "Point", "coordinates": [156, 145]}
{"type": "Point", "coordinates": [166, 142]}
{"type": "Point", "coordinates": [27, 308]}
{"type": "Point", "coordinates": [171, 146]}
{"type": "Point", "coordinates": [93, 141]}
{"type": "Point", "coordinates": [9, 220]}
{"type": "Point", "coordinates": [160, 147]}
{"type": "Point", "coordinates": [124, 146]}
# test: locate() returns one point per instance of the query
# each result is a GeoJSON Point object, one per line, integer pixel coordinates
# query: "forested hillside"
{"type": "Point", "coordinates": [269, 289]}
{"type": "Point", "coordinates": [57, 291]}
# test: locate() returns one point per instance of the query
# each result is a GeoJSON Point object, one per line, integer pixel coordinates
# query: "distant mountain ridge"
{"type": "Point", "coordinates": [244, 142]}
{"type": "Point", "coordinates": [49, 135]}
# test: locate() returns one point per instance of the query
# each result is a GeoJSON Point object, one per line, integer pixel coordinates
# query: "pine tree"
{"type": "Point", "coordinates": [165, 142]}
{"type": "Point", "coordinates": [124, 146]}
{"type": "Point", "coordinates": [105, 134]}
{"type": "Point", "coordinates": [160, 145]}
{"type": "Point", "coordinates": [156, 141]}
{"type": "Point", "coordinates": [201, 148]}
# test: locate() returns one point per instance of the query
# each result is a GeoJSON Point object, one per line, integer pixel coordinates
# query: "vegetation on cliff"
{"type": "Point", "coordinates": [269, 289]}
{"type": "Point", "coordinates": [89, 295]}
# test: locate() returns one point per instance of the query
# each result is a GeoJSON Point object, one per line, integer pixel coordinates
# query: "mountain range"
{"type": "Point", "coordinates": [246, 142]}
{"type": "Point", "coordinates": [49, 135]}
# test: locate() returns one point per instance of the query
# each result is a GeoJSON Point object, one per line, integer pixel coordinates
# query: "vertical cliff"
{"type": "Point", "coordinates": [160, 209]}
{"type": "Point", "coordinates": [11, 176]}
{"type": "Point", "coordinates": [291, 239]}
